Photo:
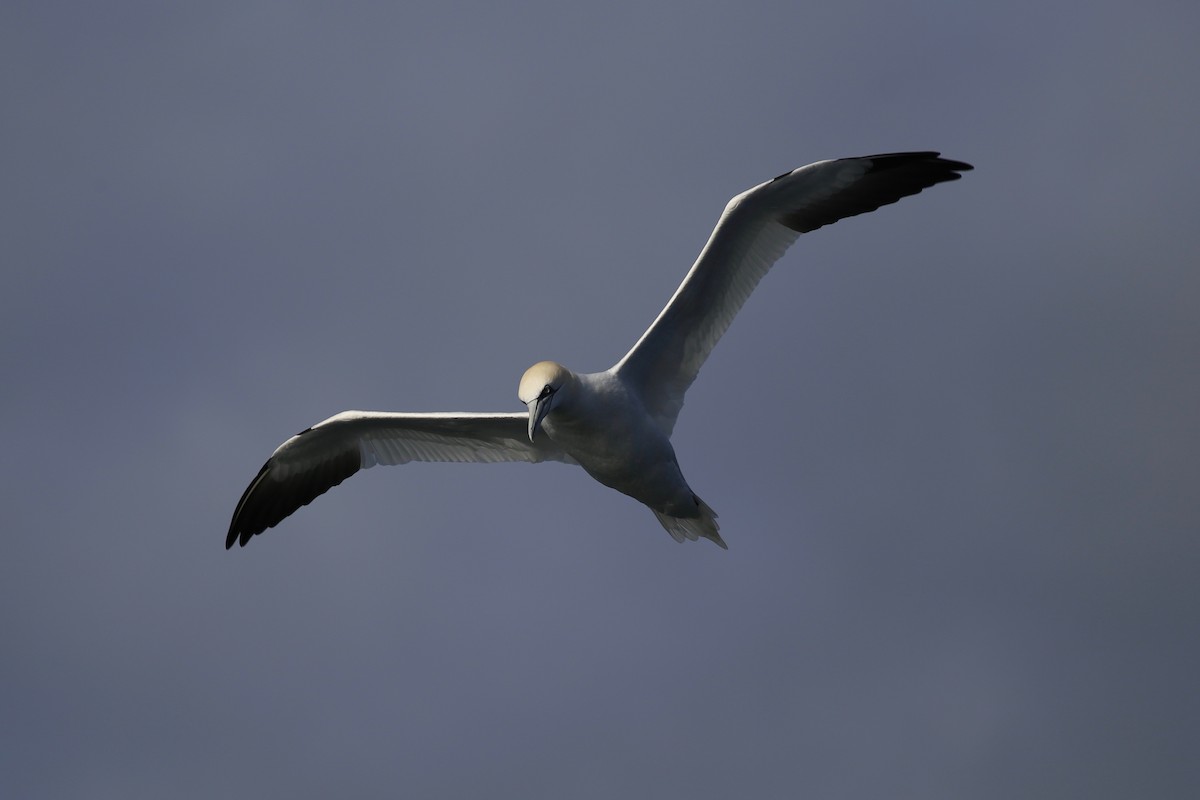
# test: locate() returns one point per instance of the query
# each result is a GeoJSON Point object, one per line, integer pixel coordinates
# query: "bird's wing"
{"type": "Point", "coordinates": [754, 231]}
{"type": "Point", "coordinates": [314, 461]}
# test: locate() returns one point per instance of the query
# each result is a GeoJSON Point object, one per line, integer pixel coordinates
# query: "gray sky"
{"type": "Point", "coordinates": [953, 443]}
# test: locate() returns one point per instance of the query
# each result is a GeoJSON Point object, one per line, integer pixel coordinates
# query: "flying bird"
{"type": "Point", "coordinates": [615, 424]}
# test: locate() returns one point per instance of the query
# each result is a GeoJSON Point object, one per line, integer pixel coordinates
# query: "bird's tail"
{"type": "Point", "coordinates": [704, 524]}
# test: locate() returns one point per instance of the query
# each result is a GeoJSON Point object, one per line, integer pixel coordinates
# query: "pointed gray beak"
{"type": "Point", "coordinates": [537, 412]}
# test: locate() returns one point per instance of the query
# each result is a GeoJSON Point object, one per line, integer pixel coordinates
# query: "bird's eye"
{"type": "Point", "coordinates": [547, 390]}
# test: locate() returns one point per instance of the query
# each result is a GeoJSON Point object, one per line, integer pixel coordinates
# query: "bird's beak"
{"type": "Point", "coordinates": [537, 412]}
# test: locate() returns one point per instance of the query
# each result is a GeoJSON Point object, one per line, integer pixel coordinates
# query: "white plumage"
{"type": "Point", "coordinates": [615, 424]}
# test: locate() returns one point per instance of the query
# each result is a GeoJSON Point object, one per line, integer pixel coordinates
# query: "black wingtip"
{"type": "Point", "coordinates": [888, 178]}
{"type": "Point", "coordinates": [238, 526]}
{"type": "Point", "coordinates": [267, 501]}
{"type": "Point", "coordinates": [927, 158]}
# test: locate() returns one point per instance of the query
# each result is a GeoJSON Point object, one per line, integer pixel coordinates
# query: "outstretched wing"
{"type": "Point", "coordinates": [314, 461]}
{"type": "Point", "coordinates": [755, 230]}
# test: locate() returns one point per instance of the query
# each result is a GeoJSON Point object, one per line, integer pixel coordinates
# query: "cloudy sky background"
{"type": "Point", "coordinates": [954, 444]}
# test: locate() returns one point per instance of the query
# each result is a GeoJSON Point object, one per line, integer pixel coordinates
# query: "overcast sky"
{"type": "Point", "coordinates": [953, 443]}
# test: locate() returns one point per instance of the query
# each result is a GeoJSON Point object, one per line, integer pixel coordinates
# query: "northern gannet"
{"type": "Point", "coordinates": [615, 424]}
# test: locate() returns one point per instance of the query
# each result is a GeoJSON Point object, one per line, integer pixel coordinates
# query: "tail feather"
{"type": "Point", "coordinates": [693, 528]}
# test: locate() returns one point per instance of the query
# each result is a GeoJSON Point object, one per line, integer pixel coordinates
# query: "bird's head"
{"type": "Point", "coordinates": [541, 390]}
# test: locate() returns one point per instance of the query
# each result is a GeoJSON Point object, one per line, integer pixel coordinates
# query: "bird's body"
{"type": "Point", "coordinates": [601, 422]}
{"type": "Point", "coordinates": [616, 424]}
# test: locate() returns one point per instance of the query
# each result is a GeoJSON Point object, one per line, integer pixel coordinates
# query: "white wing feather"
{"type": "Point", "coordinates": [755, 230]}
{"type": "Point", "coordinates": [314, 461]}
